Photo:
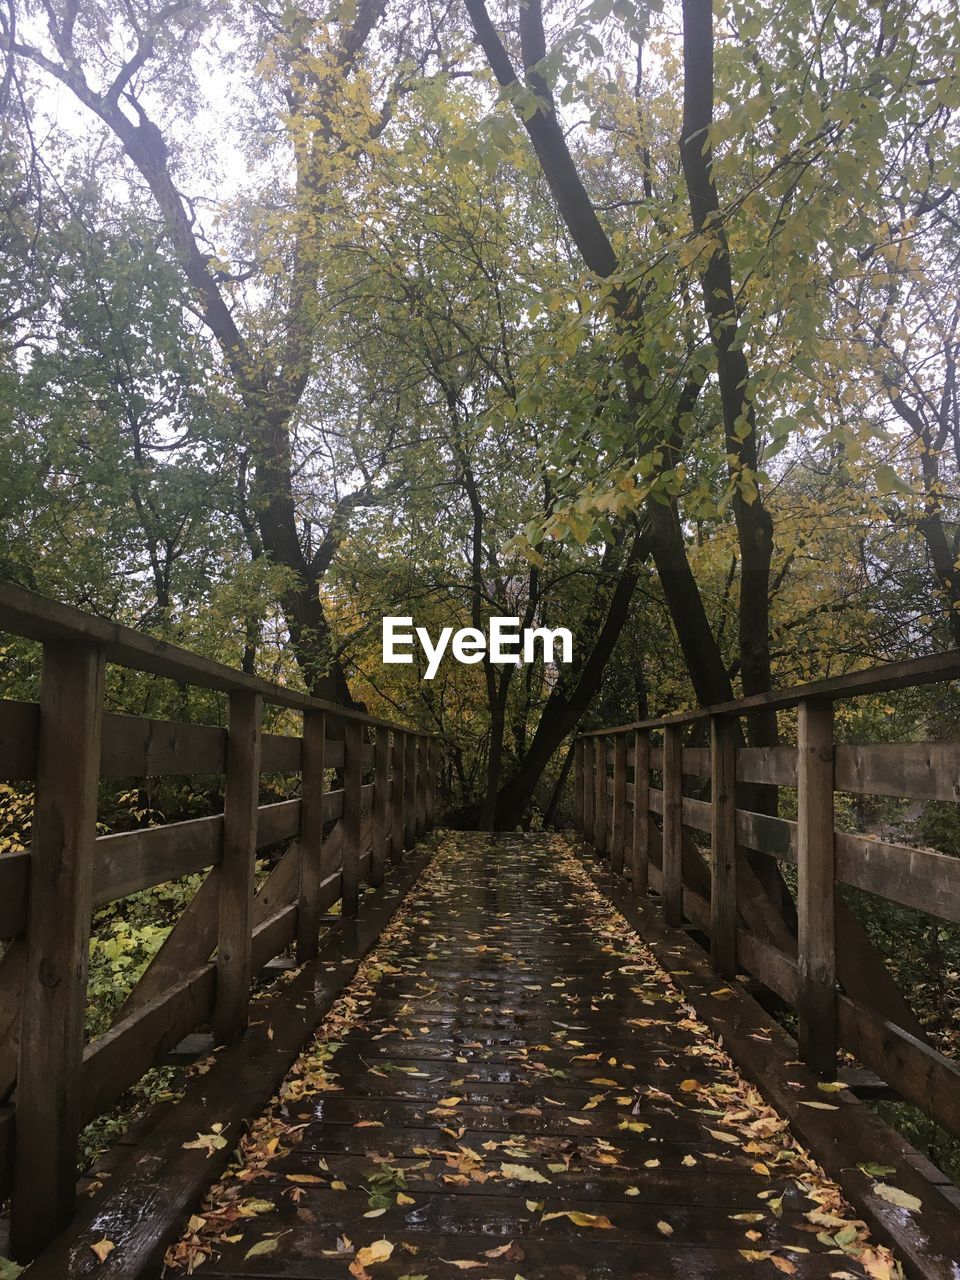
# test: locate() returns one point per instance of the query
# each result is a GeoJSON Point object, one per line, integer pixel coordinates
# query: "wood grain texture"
{"type": "Point", "coordinates": [723, 845]}
{"type": "Point", "coordinates": [398, 757]}
{"type": "Point", "coordinates": [235, 875]}
{"type": "Point", "coordinates": [640, 851]}
{"type": "Point", "coordinates": [672, 824]}
{"type": "Point", "coordinates": [816, 870]}
{"type": "Point", "coordinates": [312, 787]}
{"type": "Point", "coordinates": [618, 839]}
{"type": "Point", "coordinates": [55, 973]}
{"type": "Point", "coordinates": [352, 787]}
{"type": "Point", "coordinates": [381, 813]}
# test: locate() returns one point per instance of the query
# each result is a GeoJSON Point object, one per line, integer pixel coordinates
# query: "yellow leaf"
{"type": "Point", "coordinates": [664, 1228]}
{"type": "Point", "coordinates": [688, 1086]}
{"type": "Point", "coordinates": [379, 1251]}
{"type": "Point", "coordinates": [522, 1172]}
{"type": "Point", "coordinates": [449, 1102]}
{"type": "Point", "coordinates": [102, 1249]}
{"type": "Point", "coordinates": [303, 1177]}
{"type": "Point", "coordinates": [598, 1220]}
{"type": "Point", "coordinates": [723, 1137]}
{"type": "Point", "coordinates": [893, 1195]}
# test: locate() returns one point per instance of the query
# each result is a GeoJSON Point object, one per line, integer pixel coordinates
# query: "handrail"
{"type": "Point", "coordinates": [930, 669]}
{"type": "Point", "coordinates": [35, 617]}
{"type": "Point", "coordinates": [643, 825]}
{"type": "Point", "coordinates": [336, 840]}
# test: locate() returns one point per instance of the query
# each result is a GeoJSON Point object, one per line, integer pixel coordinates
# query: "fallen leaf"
{"type": "Point", "coordinates": [598, 1220]}
{"type": "Point", "coordinates": [379, 1251]}
{"type": "Point", "coordinates": [893, 1195]}
{"type": "Point", "coordinates": [260, 1248]}
{"type": "Point", "coordinates": [522, 1172]}
{"type": "Point", "coordinates": [664, 1228]}
{"type": "Point", "coordinates": [102, 1249]}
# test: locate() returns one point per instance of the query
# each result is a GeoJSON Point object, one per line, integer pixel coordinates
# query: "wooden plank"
{"type": "Point", "coordinates": [133, 860]}
{"type": "Point", "coordinates": [816, 940]}
{"type": "Point", "coordinates": [163, 1180]}
{"type": "Point", "coordinates": [352, 785]}
{"type": "Point", "coordinates": [422, 766]}
{"type": "Point", "coordinates": [842, 1138]}
{"type": "Point", "coordinates": [433, 768]}
{"type": "Point", "coordinates": [14, 891]}
{"type": "Point", "coordinates": [410, 791]}
{"type": "Point", "coordinates": [397, 797]}
{"type": "Point", "coordinates": [723, 845]}
{"type": "Point", "coordinates": [618, 837]}
{"type": "Point", "coordinates": [696, 762]}
{"type": "Point", "coordinates": [909, 770]}
{"type": "Point", "coordinates": [381, 785]}
{"type": "Point", "coordinates": [772, 966]}
{"type": "Point", "coordinates": [58, 933]}
{"type": "Point", "coordinates": [917, 878]}
{"type": "Point", "coordinates": [589, 789]}
{"type": "Point", "coordinates": [280, 753]}
{"type": "Point", "coordinates": [640, 853]}
{"type": "Point", "coordinates": [918, 1072]}
{"type": "Point", "coordinates": [578, 750]}
{"type": "Point", "coordinates": [312, 786]}
{"type": "Point", "coordinates": [136, 747]}
{"type": "Point", "coordinates": [672, 825]}
{"type": "Point", "coordinates": [600, 796]}
{"type": "Point", "coordinates": [772, 765]}
{"type": "Point", "coordinates": [12, 965]}
{"type": "Point", "coordinates": [19, 739]}
{"type": "Point", "coordinates": [236, 873]}
{"type": "Point", "coordinates": [27, 614]}
{"type": "Point", "coordinates": [892, 675]}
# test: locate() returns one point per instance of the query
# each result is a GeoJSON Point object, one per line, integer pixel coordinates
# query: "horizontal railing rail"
{"type": "Point", "coordinates": [630, 804]}
{"type": "Point", "coordinates": [329, 843]}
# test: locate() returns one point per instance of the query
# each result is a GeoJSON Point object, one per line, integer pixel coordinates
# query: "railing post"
{"type": "Point", "coordinates": [57, 945]}
{"type": "Point", "coordinates": [578, 785]}
{"type": "Point", "coordinates": [600, 795]}
{"type": "Point", "coordinates": [352, 817]}
{"type": "Point", "coordinates": [433, 765]}
{"type": "Point", "coordinates": [641, 812]}
{"type": "Point", "coordinates": [379, 827]}
{"type": "Point", "coordinates": [410, 792]}
{"type": "Point", "coordinates": [311, 834]}
{"type": "Point", "coordinates": [816, 941]}
{"type": "Point", "coordinates": [397, 790]}
{"type": "Point", "coordinates": [723, 842]}
{"type": "Point", "coordinates": [672, 824]}
{"type": "Point", "coordinates": [238, 867]}
{"type": "Point", "coordinates": [618, 840]}
{"type": "Point", "coordinates": [589, 790]}
{"type": "Point", "coordinates": [423, 765]}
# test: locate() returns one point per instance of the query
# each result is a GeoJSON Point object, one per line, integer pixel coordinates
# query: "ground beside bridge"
{"type": "Point", "coordinates": [514, 1087]}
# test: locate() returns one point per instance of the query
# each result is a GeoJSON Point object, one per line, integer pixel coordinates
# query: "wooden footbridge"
{"type": "Point", "coordinates": [509, 1056]}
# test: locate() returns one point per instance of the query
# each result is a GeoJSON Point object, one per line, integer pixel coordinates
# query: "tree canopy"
{"type": "Point", "coordinates": [636, 318]}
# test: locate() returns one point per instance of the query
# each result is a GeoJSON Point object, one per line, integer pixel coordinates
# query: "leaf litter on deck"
{"type": "Point", "coordinates": [726, 1108]}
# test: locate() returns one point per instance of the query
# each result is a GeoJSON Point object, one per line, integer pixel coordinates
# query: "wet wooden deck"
{"type": "Point", "coordinates": [513, 1087]}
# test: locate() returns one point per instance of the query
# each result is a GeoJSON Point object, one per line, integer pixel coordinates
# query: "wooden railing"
{"type": "Point", "coordinates": [228, 932]}
{"type": "Point", "coordinates": [646, 832]}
